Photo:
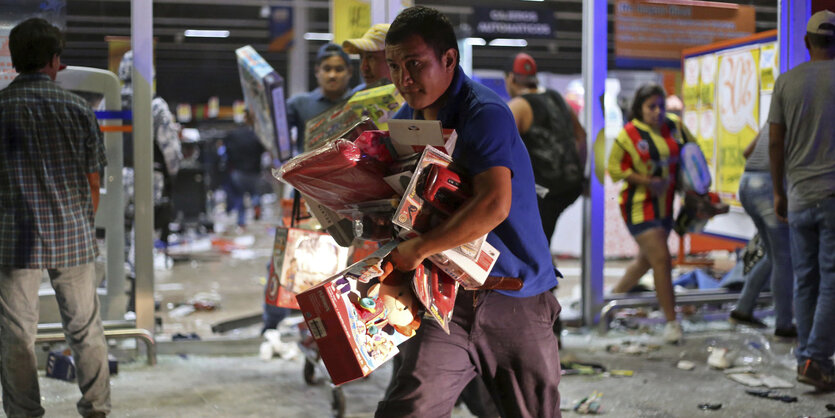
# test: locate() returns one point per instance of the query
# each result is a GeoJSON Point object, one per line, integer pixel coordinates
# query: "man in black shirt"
{"type": "Point", "coordinates": [243, 162]}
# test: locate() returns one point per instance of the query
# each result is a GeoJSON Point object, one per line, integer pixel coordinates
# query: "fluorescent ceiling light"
{"type": "Point", "coordinates": [508, 42]}
{"type": "Point", "coordinates": [318, 36]}
{"type": "Point", "coordinates": [475, 41]}
{"type": "Point", "coordinates": [193, 33]}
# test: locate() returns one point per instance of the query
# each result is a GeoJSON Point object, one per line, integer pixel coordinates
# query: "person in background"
{"type": "Point", "coordinates": [333, 72]}
{"type": "Point", "coordinates": [553, 136]}
{"type": "Point", "coordinates": [371, 49]}
{"type": "Point", "coordinates": [167, 158]}
{"type": "Point", "coordinates": [802, 148]}
{"type": "Point", "coordinates": [504, 336]}
{"type": "Point", "coordinates": [51, 155]}
{"type": "Point", "coordinates": [243, 152]}
{"type": "Point", "coordinates": [757, 197]}
{"type": "Point", "coordinates": [645, 156]}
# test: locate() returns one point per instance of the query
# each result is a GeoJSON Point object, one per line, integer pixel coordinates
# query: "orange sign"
{"type": "Point", "coordinates": [652, 30]}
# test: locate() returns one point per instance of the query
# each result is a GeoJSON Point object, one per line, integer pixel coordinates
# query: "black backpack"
{"type": "Point", "coordinates": [551, 144]}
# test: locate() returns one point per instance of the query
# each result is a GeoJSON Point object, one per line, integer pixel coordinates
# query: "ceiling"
{"type": "Point", "coordinates": [193, 69]}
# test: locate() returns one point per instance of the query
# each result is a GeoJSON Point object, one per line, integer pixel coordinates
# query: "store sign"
{"type": "Point", "coordinates": [650, 34]}
{"type": "Point", "coordinates": [349, 19]}
{"type": "Point", "coordinates": [491, 23]}
{"type": "Point", "coordinates": [281, 28]}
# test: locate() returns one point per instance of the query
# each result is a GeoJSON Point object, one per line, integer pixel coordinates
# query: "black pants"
{"type": "Point", "coordinates": [552, 206]}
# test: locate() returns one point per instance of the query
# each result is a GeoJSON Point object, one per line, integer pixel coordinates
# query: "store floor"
{"type": "Point", "coordinates": [222, 375]}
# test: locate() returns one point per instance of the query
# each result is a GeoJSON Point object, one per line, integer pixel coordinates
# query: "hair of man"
{"type": "Point", "coordinates": [33, 43]}
{"type": "Point", "coordinates": [431, 25]}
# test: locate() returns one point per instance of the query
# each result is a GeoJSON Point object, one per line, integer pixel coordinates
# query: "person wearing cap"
{"type": "Point", "coordinates": [371, 49]}
{"type": "Point", "coordinates": [802, 151]}
{"type": "Point", "coordinates": [554, 137]}
{"type": "Point", "coordinates": [51, 157]}
{"type": "Point", "coordinates": [500, 334]}
{"type": "Point", "coordinates": [333, 72]}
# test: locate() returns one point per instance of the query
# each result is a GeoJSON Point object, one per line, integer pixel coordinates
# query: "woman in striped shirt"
{"type": "Point", "coordinates": [645, 155]}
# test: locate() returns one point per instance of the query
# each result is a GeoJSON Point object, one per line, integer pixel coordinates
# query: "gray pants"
{"type": "Point", "coordinates": [79, 306]}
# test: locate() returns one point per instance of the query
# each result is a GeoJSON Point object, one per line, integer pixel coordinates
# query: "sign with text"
{"type": "Point", "coordinates": [649, 34]}
{"type": "Point", "coordinates": [349, 19]}
{"type": "Point", "coordinates": [281, 28]}
{"type": "Point", "coordinates": [489, 22]}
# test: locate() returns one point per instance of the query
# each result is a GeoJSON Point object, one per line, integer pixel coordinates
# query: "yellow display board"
{"type": "Point", "coordinates": [349, 19]}
{"type": "Point", "coordinates": [727, 88]}
{"type": "Point", "coordinates": [737, 108]}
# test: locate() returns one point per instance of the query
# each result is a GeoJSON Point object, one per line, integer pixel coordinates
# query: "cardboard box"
{"type": "Point", "coordinates": [469, 264]}
{"type": "Point", "coordinates": [436, 291]}
{"type": "Point", "coordinates": [301, 259]}
{"type": "Point", "coordinates": [328, 125]}
{"type": "Point", "coordinates": [411, 136]}
{"type": "Point", "coordinates": [60, 365]}
{"type": "Point", "coordinates": [346, 347]}
{"type": "Point", "coordinates": [263, 91]}
{"type": "Point", "coordinates": [379, 104]}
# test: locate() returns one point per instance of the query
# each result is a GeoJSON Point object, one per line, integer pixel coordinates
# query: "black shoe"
{"type": "Point", "coordinates": [744, 319]}
{"type": "Point", "coordinates": [810, 373]}
{"type": "Point", "coordinates": [790, 332]}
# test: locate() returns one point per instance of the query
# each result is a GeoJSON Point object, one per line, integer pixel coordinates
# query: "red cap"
{"type": "Point", "coordinates": [524, 64]}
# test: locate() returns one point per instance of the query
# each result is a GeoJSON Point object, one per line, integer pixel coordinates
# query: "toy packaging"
{"type": "Point", "coordinates": [411, 136]}
{"type": "Point", "coordinates": [263, 91]}
{"type": "Point", "coordinates": [349, 322]}
{"type": "Point", "coordinates": [301, 259]}
{"type": "Point", "coordinates": [379, 104]}
{"type": "Point", "coordinates": [436, 291]}
{"type": "Point", "coordinates": [340, 228]}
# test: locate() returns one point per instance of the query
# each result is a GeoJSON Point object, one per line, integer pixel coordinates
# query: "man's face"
{"type": "Point", "coordinates": [332, 75]}
{"type": "Point", "coordinates": [373, 66]}
{"type": "Point", "coordinates": [419, 75]}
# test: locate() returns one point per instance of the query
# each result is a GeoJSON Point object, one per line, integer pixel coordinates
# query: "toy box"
{"type": "Point", "coordinates": [329, 125]}
{"type": "Point", "coordinates": [347, 345]}
{"type": "Point", "coordinates": [301, 259]}
{"type": "Point", "coordinates": [411, 136]}
{"type": "Point", "coordinates": [60, 365]}
{"type": "Point", "coordinates": [263, 91]}
{"type": "Point", "coordinates": [379, 104]}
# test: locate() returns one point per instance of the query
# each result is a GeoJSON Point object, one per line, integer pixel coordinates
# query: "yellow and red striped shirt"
{"type": "Point", "coordinates": [639, 149]}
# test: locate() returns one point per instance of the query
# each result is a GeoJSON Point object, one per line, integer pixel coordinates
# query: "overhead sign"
{"type": "Point", "coordinates": [349, 19]}
{"type": "Point", "coordinates": [489, 22]}
{"type": "Point", "coordinates": [652, 34]}
{"type": "Point", "coordinates": [281, 28]}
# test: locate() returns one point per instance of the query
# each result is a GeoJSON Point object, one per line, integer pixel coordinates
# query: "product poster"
{"type": "Point", "coordinates": [768, 66]}
{"type": "Point", "coordinates": [707, 76]}
{"type": "Point", "coordinates": [707, 136]}
{"type": "Point", "coordinates": [349, 19]}
{"type": "Point", "coordinates": [737, 95]}
{"type": "Point", "coordinates": [690, 89]}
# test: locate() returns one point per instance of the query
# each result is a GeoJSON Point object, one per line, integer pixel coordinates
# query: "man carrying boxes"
{"type": "Point", "coordinates": [505, 336]}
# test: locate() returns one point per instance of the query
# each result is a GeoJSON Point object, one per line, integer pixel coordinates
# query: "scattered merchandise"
{"type": "Point", "coordinates": [628, 347]}
{"type": "Point", "coordinates": [185, 337]}
{"type": "Point", "coordinates": [770, 394]}
{"type": "Point", "coordinates": [685, 365]}
{"type": "Point", "coordinates": [585, 369]}
{"type": "Point", "coordinates": [181, 311]}
{"type": "Point", "coordinates": [60, 365]}
{"type": "Point", "coordinates": [718, 358]}
{"type": "Point", "coordinates": [589, 404]}
{"type": "Point", "coordinates": [710, 406]}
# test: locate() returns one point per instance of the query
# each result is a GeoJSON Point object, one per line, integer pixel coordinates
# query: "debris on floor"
{"type": "Point", "coordinates": [629, 347]}
{"type": "Point", "coordinates": [770, 394]}
{"type": "Point", "coordinates": [757, 379]}
{"type": "Point", "coordinates": [589, 405]}
{"type": "Point", "coordinates": [718, 358]}
{"type": "Point", "coordinates": [710, 406]}
{"type": "Point", "coordinates": [686, 365]}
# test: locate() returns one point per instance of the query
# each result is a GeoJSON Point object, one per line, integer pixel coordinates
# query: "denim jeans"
{"type": "Point", "coordinates": [757, 197]}
{"type": "Point", "coordinates": [239, 184]}
{"type": "Point", "coordinates": [79, 307]}
{"type": "Point", "coordinates": [813, 256]}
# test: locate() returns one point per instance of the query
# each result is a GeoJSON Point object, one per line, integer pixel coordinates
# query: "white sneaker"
{"type": "Point", "coordinates": [672, 332]}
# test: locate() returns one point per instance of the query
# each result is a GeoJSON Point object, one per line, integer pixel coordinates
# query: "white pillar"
{"type": "Point", "coordinates": [142, 77]}
{"type": "Point", "coordinates": [594, 82]}
{"type": "Point", "coordinates": [297, 57]}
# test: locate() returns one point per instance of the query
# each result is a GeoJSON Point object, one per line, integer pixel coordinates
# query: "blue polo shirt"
{"type": "Point", "coordinates": [487, 137]}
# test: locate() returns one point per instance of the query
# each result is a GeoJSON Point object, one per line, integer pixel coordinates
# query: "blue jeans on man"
{"type": "Point", "coordinates": [756, 194]}
{"type": "Point", "coordinates": [239, 184]}
{"type": "Point", "coordinates": [813, 258]}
